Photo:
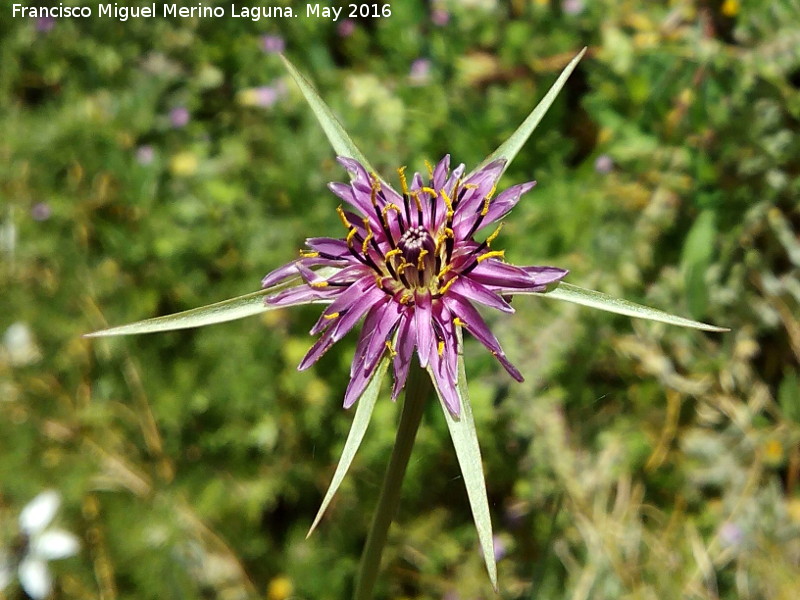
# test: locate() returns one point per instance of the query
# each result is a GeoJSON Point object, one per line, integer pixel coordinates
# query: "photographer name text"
{"type": "Point", "coordinates": [123, 12]}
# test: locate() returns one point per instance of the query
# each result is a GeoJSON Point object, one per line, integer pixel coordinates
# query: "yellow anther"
{"type": "Point", "coordinates": [415, 196]}
{"type": "Point", "coordinates": [486, 202]}
{"type": "Point", "coordinates": [448, 232]}
{"type": "Point", "coordinates": [331, 316]}
{"type": "Point", "coordinates": [492, 254]}
{"type": "Point", "coordinates": [392, 253]}
{"type": "Point", "coordinates": [420, 264]}
{"type": "Point", "coordinates": [318, 284]}
{"type": "Point", "coordinates": [431, 191]}
{"type": "Point", "coordinates": [448, 202]}
{"type": "Point", "coordinates": [446, 286]}
{"type": "Point", "coordinates": [458, 322]}
{"type": "Point", "coordinates": [351, 235]}
{"type": "Point", "coordinates": [470, 186]}
{"type": "Point", "coordinates": [368, 238]}
{"type": "Point", "coordinates": [402, 267]}
{"type": "Point", "coordinates": [392, 351]}
{"type": "Point", "coordinates": [401, 172]}
{"type": "Point", "coordinates": [441, 348]}
{"type": "Point", "coordinates": [342, 216]}
{"type": "Point", "coordinates": [491, 191]}
{"type": "Point", "coordinates": [494, 235]}
{"type": "Point", "coordinates": [376, 181]}
{"type": "Point", "coordinates": [430, 168]}
{"type": "Point", "coordinates": [389, 207]}
{"type": "Point", "coordinates": [308, 254]}
{"type": "Point", "coordinates": [444, 270]}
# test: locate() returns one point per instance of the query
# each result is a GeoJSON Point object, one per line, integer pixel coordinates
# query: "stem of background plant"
{"type": "Point", "coordinates": [418, 391]}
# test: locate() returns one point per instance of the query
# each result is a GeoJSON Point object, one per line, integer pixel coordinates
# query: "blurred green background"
{"type": "Point", "coordinates": [156, 165]}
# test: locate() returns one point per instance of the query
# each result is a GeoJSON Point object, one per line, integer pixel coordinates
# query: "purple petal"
{"type": "Point", "coordinates": [481, 183]}
{"type": "Point", "coordinates": [302, 294]}
{"type": "Point", "coordinates": [329, 246]}
{"type": "Point", "coordinates": [542, 277]}
{"type": "Point", "coordinates": [404, 352]}
{"type": "Point", "coordinates": [355, 293]}
{"type": "Point", "coordinates": [493, 272]}
{"type": "Point", "coordinates": [499, 207]}
{"type": "Point", "coordinates": [440, 172]}
{"type": "Point", "coordinates": [361, 179]}
{"type": "Point", "coordinates": [290, 270]}
{"type": "Point", "coordinates": [388, 315]}
{"type": "Point", "coordinates": [474, 323]}
{"type": "Point", "coordinates": [423, 327]}
{"type": "Point", "coordinates": [469, 288]}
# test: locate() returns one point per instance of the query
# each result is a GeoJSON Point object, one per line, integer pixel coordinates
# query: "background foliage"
{"type": "Point", "coordinates": [156, 165]}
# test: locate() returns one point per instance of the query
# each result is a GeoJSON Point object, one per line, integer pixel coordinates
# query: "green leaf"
{"type": "Point", "coordinates": [468, 452]}
{"type": "Point", "coordinates": [509, 149]}
{"type": "Point", "coordinates": [579, 295]}
{"type": "Point", "coordinates": [364, 406]}
{"type": "Point", "coordinates": [227, 310]}
{"type": "Point", "coordinates": [338, 137]}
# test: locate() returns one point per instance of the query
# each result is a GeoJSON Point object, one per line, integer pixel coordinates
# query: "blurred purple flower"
{"type": "Point", "coordinates": [145, 154]}
{"type": "Point", "coordinates": [41, 211]}
{"type": "Point", "coordinates": [500, 550]}
{"type": "Point", "coordinates": [440, 17]}
{"type": "Point", "coordinates": [731, 534]}
{"type": "Point", "coordinates": [410, 265]}
{"type": "Point", "coordinates": [179, 116]}
{"type": "Point", "coordinates": [45, 24]}
{"type": "Point", "coordinates": [420, 71]}
{"type": "Point", "coordinates": [266, 96]}
{"type": "Point", "coordinates": [572, 7]}
{"type": "Point", "coordinates": [272, 44]}
{"type": "Point", "coordinates": [346, 28]}
{"type": "Point", "coordinates": [603, 164]}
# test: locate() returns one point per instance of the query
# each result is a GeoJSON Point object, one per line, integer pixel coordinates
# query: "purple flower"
{"type": "Point", "coordinates": [45, 24]}
{"type": "Point", "coordinates": [272, 44]}
{"type": "Point", "coordinates": [603, 164]}
{"type": "Point", "coordinates": [440, 17]}
{"type": "Point", "coordinates": [179, 116]}
{"type": "Point", "coordinates": [499, 547]}
{"type": "Point", "coordinates": [420, 71]}
{"type": "Point", "coordinates": [572, 7]}
{"type": "Point", "coordinates": [346, 28]}
{"type": "Point", "coordinates": [41, 211]}
{"type": "Point", "coordinates": [145, 154]}
{"type": "Point", "coordinates": [412, 268]}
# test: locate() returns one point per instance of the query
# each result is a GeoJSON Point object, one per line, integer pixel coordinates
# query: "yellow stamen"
{"type": "Point", "coordinates": [492, 254]}
{"type": "Point", "coordinates": [491, 191]}
{"type": "Point", "coordinates": [392, 351]}
{"type": "Point", "coordinates": [441, 348]}
{"type": "Point", "coordinates": [486, 202]}
{"type": "Point", "coordinates": [331, 316]}
{"type": "Point", "coordinates": [401, 172]}
{"type": "Point", "coordinates": [494, 235]}
{"type": "Point", "coordinates": [392, 253]}
{"type": "Point", "coordinates": [470, 186]}
{"type": "Point", "coordinates": [345, 222]}
{"type": "Point", "coordinates": [389, 207]}
{"type": "Point", "coordinates": [448, 232]}
{"type": "Point", "coordinates": [431, 191]}
{"type": "Point", "coordinates": [448, 202]}
{"type": "Point", "coordinates": [430, 168]}
{"type": "Point", "coordinates": [415, 196]}
{"type": "Point", "coordinates": [318, 284]}
{"type": "Point", "coordinates": [308, 254]}
{"type": "Point", "coordinates": [458, 322]}
{"type": "Point", "coordinates": [402, 267]}
{"type": "Point", "coordinates": [351, 235]}
{"type": "Point", "coordinates": [420, 264]}
{"type": "Point", "coordinates": [444, 270]}
{"type": "Point", "coordinates": [446, 286]}
{"type": "Point", "coordinates": [368, 238]}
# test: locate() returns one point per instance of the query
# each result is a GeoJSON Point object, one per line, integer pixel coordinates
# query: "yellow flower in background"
{"type": "Point", "coordinates": [183, 164]}
{"type": "Point", "coordinates": [280, 588]}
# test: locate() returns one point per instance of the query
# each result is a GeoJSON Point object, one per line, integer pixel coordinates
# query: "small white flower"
{"type": "Point", "coordinates": [43, 544]}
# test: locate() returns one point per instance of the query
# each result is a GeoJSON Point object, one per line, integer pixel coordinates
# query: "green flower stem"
{"type": "Point", "coordinates": [418, 390]}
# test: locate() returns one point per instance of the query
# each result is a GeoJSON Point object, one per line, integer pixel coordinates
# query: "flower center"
{"type": "Point", "coordinates": [419, 256]}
